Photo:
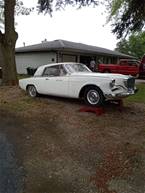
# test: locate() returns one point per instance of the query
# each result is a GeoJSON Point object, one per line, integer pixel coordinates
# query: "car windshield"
{"type": "Point", "coordinates": [77, 68]}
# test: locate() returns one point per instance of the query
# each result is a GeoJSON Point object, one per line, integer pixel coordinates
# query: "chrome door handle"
{"type": "Point", "coordinates": [58, 80]}
{"type": "Point", "coordinates": [46, 78]}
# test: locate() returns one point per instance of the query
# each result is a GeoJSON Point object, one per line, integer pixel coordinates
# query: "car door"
{"type": "Point", "coordinates": [54, 81]}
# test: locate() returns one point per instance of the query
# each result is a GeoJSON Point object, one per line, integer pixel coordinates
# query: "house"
{"type": "Point", "coordinates": [62, 51]}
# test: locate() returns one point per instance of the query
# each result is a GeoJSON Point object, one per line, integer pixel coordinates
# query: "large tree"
{"type": "Point", "coordinates": [7, 44]}
{"type": "Point", "coordinates": [8, 39]}
{"type": "Point", "coordinates": [134, 45]}
{"type": "Point", "coordinates": [127, 16]}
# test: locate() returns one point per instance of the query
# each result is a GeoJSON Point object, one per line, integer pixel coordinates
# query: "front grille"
{"type": "Point", "coordinates": [130, 82]}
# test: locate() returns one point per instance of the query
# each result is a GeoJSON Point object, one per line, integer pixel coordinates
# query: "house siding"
{"type": "Point", "coordinates": [62, 51]}
{"type": "Point", "coordinates": [34, 60]}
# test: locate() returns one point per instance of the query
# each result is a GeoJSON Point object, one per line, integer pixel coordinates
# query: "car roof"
{"type": "Point", "coordinates": [61, 63]}
{"type": "Point", "coordinates": [41, 68]}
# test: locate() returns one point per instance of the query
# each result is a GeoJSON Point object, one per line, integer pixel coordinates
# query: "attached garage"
{"type": "Point", "coordinates": [68, 58]}
{"type": "Point", "coordinates": [33, 60]}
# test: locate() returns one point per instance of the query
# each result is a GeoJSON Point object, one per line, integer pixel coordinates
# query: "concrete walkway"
{"type": "Point", "coordinates": [140, 81]}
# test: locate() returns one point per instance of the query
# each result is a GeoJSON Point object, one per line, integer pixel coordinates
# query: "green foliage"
{"type": "Point", "coordinates": [127, 16]}
{"type": "Point", "coordinates": [47, 6]}
{"type": "Point", "coordinates": [135, 45]}
{"type": "Point", "coordinates": [19, 9]}
{"type": "Point", "coordinates": [115, 6]}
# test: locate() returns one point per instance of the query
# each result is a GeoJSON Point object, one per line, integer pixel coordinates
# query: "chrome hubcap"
{"type": "Point", "coordinates": [93, 97]}
{"type": "Point", "coordinates": [32, 91]}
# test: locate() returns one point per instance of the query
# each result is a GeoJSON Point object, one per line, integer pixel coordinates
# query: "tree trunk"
{"type": "Point", "coordinates": [7, 44]}
{"type": "Point", "coordinates": [9, 75]}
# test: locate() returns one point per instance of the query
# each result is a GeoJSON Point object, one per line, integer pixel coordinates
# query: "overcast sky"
{"type": "Point", "coordinates": [87, 25]}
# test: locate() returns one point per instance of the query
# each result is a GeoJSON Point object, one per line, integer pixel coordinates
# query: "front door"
{"type": "Point", "coordinates": [54, 81]}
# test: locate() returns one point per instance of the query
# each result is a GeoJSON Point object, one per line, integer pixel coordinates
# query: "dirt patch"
{"type": "Point", "coordinates": [66, 151]}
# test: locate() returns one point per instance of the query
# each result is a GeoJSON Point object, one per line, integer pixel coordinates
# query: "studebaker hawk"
{"type": "Point", "coordinates": [75, 80]}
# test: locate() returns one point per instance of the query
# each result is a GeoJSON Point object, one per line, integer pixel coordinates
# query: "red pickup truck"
{"type": "Point", "coordinates": [125, 66]}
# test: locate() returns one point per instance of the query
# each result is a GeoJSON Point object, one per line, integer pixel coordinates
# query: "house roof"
{"type": "Point", "coordinates": [69, 46]}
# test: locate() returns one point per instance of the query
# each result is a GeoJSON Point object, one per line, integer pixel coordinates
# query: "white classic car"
{"type": "Point", "coordinates": [75, 80]}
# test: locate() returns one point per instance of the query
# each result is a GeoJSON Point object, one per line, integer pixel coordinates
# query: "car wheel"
{"type": "Point", "coordinates": [32, 91]}
{"type": "Point", "coordinates": [93, 96]}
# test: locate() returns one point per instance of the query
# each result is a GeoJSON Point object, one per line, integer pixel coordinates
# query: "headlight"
{"type": "Point", "coordinates": [112, 83]}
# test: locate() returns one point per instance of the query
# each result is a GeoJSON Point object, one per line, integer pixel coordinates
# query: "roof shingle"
{"type": "Point", "coordinates": [71, 46]}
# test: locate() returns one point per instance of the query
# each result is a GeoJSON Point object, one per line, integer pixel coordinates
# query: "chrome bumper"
{"type": "Point", "coordinates": [120, 95]}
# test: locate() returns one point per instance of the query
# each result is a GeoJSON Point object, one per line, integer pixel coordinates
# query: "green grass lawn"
{"type": "Point", "coordinates": [139, 96]}
{"type": "Point", "coordinates": [20, 76]}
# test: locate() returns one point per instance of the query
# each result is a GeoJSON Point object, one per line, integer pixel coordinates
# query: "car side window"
{"type": "Point", "coordinates": [51, 71]}
{"type": "Point", "coordinates": [62, 71]}
{"type": "Point", "coordinates": [54, 71]}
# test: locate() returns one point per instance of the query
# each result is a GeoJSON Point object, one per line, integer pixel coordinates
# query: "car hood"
{"type": "Point", "coordinates": [101, 75]}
